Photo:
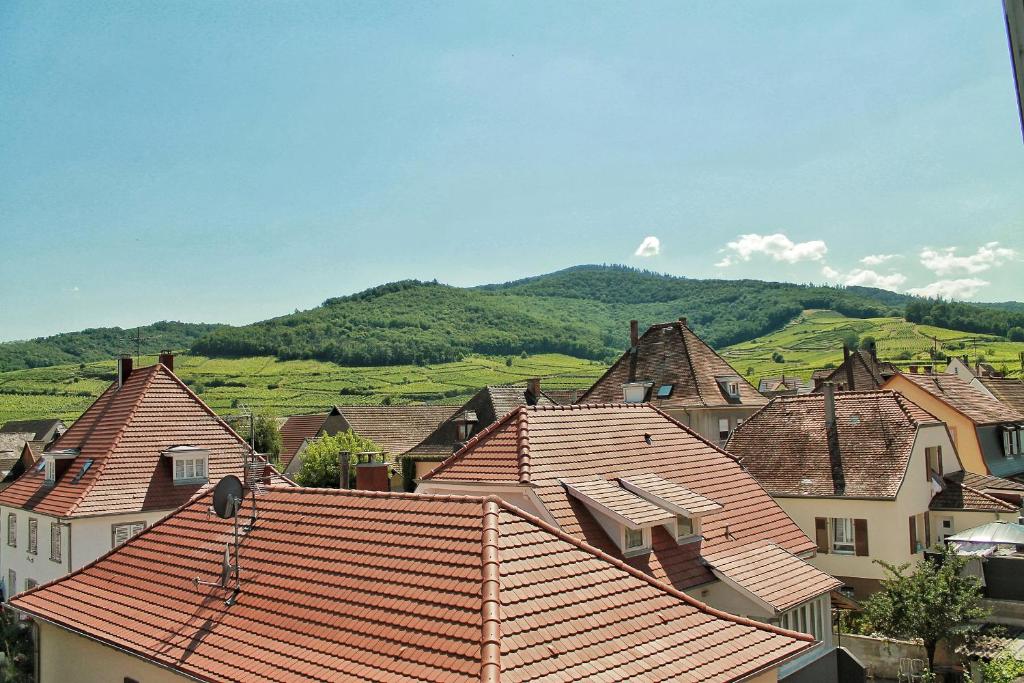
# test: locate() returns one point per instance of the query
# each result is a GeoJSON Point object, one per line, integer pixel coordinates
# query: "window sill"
{"type": "Point", "coordinates": [635, 552]}
{"type": "Point", "coordinates": [191, 482]}
{"type": "Point", "coordinates": [836, 551]}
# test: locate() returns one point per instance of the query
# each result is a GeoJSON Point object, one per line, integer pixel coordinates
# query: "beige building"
{"type": "Point", "coordinates": [672, 368]}
{"type": "Point", "coordinates": [870, 476]}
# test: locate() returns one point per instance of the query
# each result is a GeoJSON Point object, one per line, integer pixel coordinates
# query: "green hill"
{"type": "Point", "coordinates": [100, 343]}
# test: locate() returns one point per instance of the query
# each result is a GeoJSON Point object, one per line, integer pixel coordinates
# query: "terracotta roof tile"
{"type": "Point", "coordinates": [1009, 391]}
{"type": "Point", "coordinates": [395, 429]}
{"type": "Point", "coordinates": [124, 434]}
{"type": "Point", "coordinates": [958, 495]}
{"type": "Point", "coordinates": [582, 442]}
{"type": "Point", "coordinates": [772, 575]}
{"type": "Point", "coordinates": [785, 444]}
{"type": "Point", "coordinates": [987, 482]}
{"type": "Point", "coordinates": [295, 431]}
{"type": "Point", "coordinates": [609, 496]}
{"type": "Point", "coordinates": [869, 373]}
{"type": "Point", "coordinates": [396, 587]}
{"type": "Point", "coordinates": [975, 404]}
{"type": "Point", "coordinates": [670, 353]}
{"type": "Point", "coordinates": [669, 492]}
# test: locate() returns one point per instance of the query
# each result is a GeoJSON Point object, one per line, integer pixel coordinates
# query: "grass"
{"type": "Point", "coordinates": [810, 342]}
{"type": "Point", "coordinates": [815, 339]}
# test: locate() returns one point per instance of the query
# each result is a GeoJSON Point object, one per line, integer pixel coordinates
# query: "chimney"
{"type": "Point", "coordinates": [683, 321]}
{"type": "Point", "coordinates": [927, 369]}
{"type": "Point", "coordinates": [828, 389]}
{"type": "Point", "coordinates": [634, 333]}
{"type": "Point", "coordinates": [832, 434]}
{"type": "Point", "coordinates": [913, 369]}
{"type": "Point", "coordinates": [167, 359]}
{"type": "Point", "coordinates": [533, 387]}
{"type": "Point", "coordinates": [849, 368]}
{"type": "Point", "coordinates": [124, 368]}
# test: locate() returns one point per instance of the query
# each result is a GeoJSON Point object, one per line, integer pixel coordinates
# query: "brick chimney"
{"type": "Point", "coordinates": [683, 321]}
{"type": "Point", "coordinates": [533, 387]}
{"type": "Point", "coordinates": [124, 369]}
{"type": "Point", "coordinates": [832, 435]}
{"type": "Point", "coordinates": [849, 368]}
{"type": "Point", "coordinates": [913, 369]}
{"type": "Point", "coordinates": [167, 359]}
{"type": "Point", "coordinates": [634, 333]}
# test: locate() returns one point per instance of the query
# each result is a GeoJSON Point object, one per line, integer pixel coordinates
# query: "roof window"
{"type": "Point", "coordinates": [635, 392]}
{"type": "Point", "coordinates": [665, 390]}
{"type": "Point", "coordinates": [81, 473]}
{"type": "Point", "coordinates": [729, 384]}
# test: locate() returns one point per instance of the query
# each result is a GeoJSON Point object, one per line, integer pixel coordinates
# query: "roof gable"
{"type": "Point", "coordinates": [671, 354]}
{"type": "Point", "coordinates": [973, 403]}
{"type": "Point", "coordinates": [1009, 391]}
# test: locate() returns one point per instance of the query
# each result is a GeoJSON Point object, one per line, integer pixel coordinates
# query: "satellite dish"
{"type": "Point", "coordinates": [227, 496]}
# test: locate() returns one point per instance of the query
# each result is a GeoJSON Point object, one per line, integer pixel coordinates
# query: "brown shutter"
{"type": "Point", "coordinates": [821, 534]}
{"type": "Point", "coordinates": [927, 530]}
{"type": "Point", "coordinates": [927, 464]}
{"type": "Point", "coordinates": [913, 534]}
{"type": "Point", "coordinates": [939, 448]}
{"type": "Point", "coordinates": [860, 537]}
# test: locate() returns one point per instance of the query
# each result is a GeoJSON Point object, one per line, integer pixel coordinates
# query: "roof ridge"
{"type": "Point", "coordinates": [990, 498]}
{"type": "Point", "coordinates": [523, 446]}
{"type": "Point", "coordinates": [689, 359]}
{"type": "Point", "coordinates": [490, 595]}
{"type": "Point", "coordinates": [153, 371]}
{"type": "Point", "coordinates": [668, 588]}
{"type": "Point", "coordinates": [365, 493]}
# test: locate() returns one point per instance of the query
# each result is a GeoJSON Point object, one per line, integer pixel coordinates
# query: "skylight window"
{"type": "Point", "coordinates": [665, 390]}
{"type": "Point", "coordinates": [81, 473]}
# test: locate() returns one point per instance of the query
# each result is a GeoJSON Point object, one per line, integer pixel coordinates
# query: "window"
{"type": "Point", "coordinates": [635, 392]}
{"type": "Point", "coordinates": [30, 584]}
{"type": "Point", "coordinates": [81, 473]}
{"type": "Point", "coordinates": [51, 470]}
{"type": "Point", "coordinates": [121, 533]}
{"type": "Point", "coordinates": [684, 526]}
{"type": "Point", "coordinates": [12, 530]}
{"type": "Point", "coordinates": [33, 536]}
{"type": "Point", "coordinates": [190, 469]}
{"type": "Point", "coordinates": [12, 583]}
{"type": "Point", "coordinates": [842, 536]}
{"type": "Point", "coordinates": [55, 542]}
{"type": "Point", "coordinates": [933, 456]}
{"type": "Point", "coordinates": [665, 390]}
{"type": "Point", "coordinates": [723, 428]}
{"type": "Point", "coordinates": [806, 618]}
{"type": "Point", "coordinates": [634, 538]}
{"type": "Point", "coordinates": [947, 528]}
{"type": "Point", "coordinates": [1011, 441]}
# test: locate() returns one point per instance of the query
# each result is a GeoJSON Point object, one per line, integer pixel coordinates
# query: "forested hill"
{"type": "Point", "coordinates": [101, 343]}
{"type": "Point", "coordinates": [583, 312]}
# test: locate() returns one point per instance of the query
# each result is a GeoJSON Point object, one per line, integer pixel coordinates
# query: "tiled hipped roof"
{"type": "Point", "coordinates": [395, 429]}
{"type": "Point", "coordinates": [785, 444]}
{"type": "Point", "coordinates": [978, 406]}
{"type": "Point", "coordinates": [124, 434]}
{"type": "Point", "coordinates": [350, 585]}
{"type": "Point", "coordinates": [670, 353]}
{"type": "Point", "coordinates": [566, 444]}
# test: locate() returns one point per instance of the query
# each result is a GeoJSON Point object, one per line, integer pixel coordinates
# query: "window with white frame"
{"type": "Point", "coordinates": [634, 539]}
{"type": "Point", "coordinates": [684, 526]}
{"type": "Point", "coordinates": [189, 468]}
{"type": "Point", "coordinates": [55, 541]}
{"type": "Point", "coordinates": [50, 471]}
{"type": "Point", "coordinates": [122, 533]}
{"type": "Point", "coordinates": [12, 583]}
{"type": "Point", "coordinates": [635, 392]}
{"type": "Point", "coordinates": [30, 584]}
{"type": "Point", "coordinates": [33, 536]}
{"type": "Point", "coordinates": [806, 618]}
{"type": "Point", "coordinates": [1011, 441]}
{"type": "Point", "coordinates": [12, 530]}
{"type": "Point", "coordinates": [842, 536]}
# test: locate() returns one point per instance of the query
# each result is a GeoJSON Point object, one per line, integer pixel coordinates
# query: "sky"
{"type": "Point", "coordinates": [233, 161]}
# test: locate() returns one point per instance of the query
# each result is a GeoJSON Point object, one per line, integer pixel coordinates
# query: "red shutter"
{"type": "Point", "coordinates": [860, 537]}
{"type": "Point", "coordinates": [913, 534]}
{"type": "Point", "coordinates": [821, 534]}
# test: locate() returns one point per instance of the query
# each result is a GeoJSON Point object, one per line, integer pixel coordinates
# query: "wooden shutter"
{"type": "Point", "coordinates": [821, 534]}
{"type": "Point", "coordinates": [927, 531]}
{"type": "Point", "coordinates": [939, 451]}
{"type": "Point", "coordinates": [860, 537]}
{"type": "Point", "coordinates": [928, 464]}
{"type": "Point", "coordinates": [913, 534]}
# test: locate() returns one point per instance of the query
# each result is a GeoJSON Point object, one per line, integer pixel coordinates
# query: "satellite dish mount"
{"type": "Point", "coordinates": [227, 501]}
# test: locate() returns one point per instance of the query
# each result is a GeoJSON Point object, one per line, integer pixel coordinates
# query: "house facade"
{"type": "Point", "coordinates": [633, 482]}
{"type": "Point", "coordinates": [411, 587]}
{"type": "Point", "coordinates": [146, 446]}
{"type": "Point", "coordinates": [988, 434]}
{"type": "Point", "coordinates": [672, 368]}
{"type": "Point", "coordinates": [869, 475]}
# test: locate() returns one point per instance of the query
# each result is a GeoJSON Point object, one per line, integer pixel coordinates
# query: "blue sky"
{"type": "Point", "coordinates": [234, 161]}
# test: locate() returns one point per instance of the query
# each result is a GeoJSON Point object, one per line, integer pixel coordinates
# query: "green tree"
{"type": "Point", "coordinates": [268, 435]}
{"type": "Point", "coordinates": [320, 459]}
{"type": "Point", "coordinates": [1016, 334]}
{"type": "Point", "coordinates": [778, 357]}
{"type": "Point", "coordinates": [18, 649]}
{"type": "Point", "coordinates": [933, 602]}
{"type": "Point", "coordinates": [1003, 668]}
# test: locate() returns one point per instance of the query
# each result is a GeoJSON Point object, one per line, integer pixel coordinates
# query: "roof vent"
{"type": "Point", "coordinates": [855, 419]}
{"type": "Point", "coordinates": [805, 486]}
{"type": "Point", "coordinates": [648, 440]}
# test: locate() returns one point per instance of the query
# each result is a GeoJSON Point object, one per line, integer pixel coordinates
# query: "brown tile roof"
{"type": "Point", "coordinates": [395, 429]}
{"type": "Point", "coordinates": [346, 585]}
{"type": "Point", "coordinates": [785, 443]}
{"type": "Point", "coordinates": [669, 492]}
{"type": "Point", "coordinates": [975, 404]}
{"type": "Point", "coordinates": [670, 353]}
{"type": "Point", "coordinates": [124, 434]}
{"type": "Point", "coordinates": [772, 575]}
{"type": "Point", "coordinates": [868, 372]}
{"type": "Point", "coordinates": [987, 482]}
{"type": "Point", "coordinates": [563, 397]}
{"type": "Point", "coordinates": [546, 446]}
{"type": "Point", "coordinates": [958, 495]}
{"type": "Point", "coordinates": [1008, 391]}
{"type": "Point", "coordinates": [609, 496]}
{"type": "Point", "coordinates": [294, 433]}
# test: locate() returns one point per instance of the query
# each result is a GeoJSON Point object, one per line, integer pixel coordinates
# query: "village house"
{"type": "Point", "coordinates": [962, 368]}
{"type": "Point", "coordinates": [630, 480]}
{"type": "Point", "coordinates": [352, 585]}
{"type": "Point", "coordinates": [988, 434]}
{"type": "Point", "coordinates": [1007, 390]}
{"type": "Point", "coordinates": [394, 429]}
{"type": "Point", "coordinates": [770, 387]}
{"type": "Point", "coordinates": [860, 371]}
{"type": "Point", "coordinates": [672, 368]}
{"type": "Point", "coordinates": [870, 476]}
{"type": "Point", "coordinates": [15, 435]}
{"type": "Point", "coordinates": [143, 448]}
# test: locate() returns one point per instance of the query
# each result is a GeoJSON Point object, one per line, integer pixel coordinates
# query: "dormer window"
{"type": "Point", "coordinates": [189, 464]}
{"type": "Point", "coordinates": [1011, 440]}
{"type": "Point", "coordinates": [684, 527]}
{"type": "Point", "coordinates": [464, 423]}
{"type": "Point", "coordinates": [54, 463]}
{"type": "Point", "coordinates": [635, 541]}
{"type": "Point", "coordinates": [625, 517]}
{"type": "Point", "coordinates": [730, 385]}
{"type": "Point", "coordinates": [635, 392]}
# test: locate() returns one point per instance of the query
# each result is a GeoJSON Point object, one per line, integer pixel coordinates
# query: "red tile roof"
{"type": "Point", "coordinates": [1007, 390]}
{"type": "Point", "coordinates": [772, 575]}
{"type": "Point", "coordinates": [611, 498]}
{"type": "Point", "coordinates": [670, 353]}
{"type": "Point", "coordinates": [546, 446]}
{"type": "Point", "coordinates": [959, 495]}
{"type": "Point", "coordinates": [124, 434]}
{"type": "Point", "coordinates": [395, 429]}
{"type": "Point", "coordinates": [294, 433]}
{"type": "Point", "coordinates": [785, 444]}
{"type": "Point", "coordinates": [347, 585]}
{"type": "Point", "coordinates": [976, 405]}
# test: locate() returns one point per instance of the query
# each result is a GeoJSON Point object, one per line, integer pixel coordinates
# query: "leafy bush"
{"type": "Point", "coordinates": [1004, 668]}
{"type": "Point", "coordinates": [320, 459]}
{"type": "Point", "coordinates": [778, 357]}
{"type": "Point", "coordinates": [1015, 334]}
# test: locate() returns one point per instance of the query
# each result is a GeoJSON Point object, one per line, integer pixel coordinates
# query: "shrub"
{"type": "Point", "coordinates": [778, 357]}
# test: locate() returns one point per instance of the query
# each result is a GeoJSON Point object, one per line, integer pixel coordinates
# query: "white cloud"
{"type": "Point", "coordinates": [878, 259]}
{"type": "Point", "coordinates": [864, 277]}
{"type": "Point", "coordinates": [777, 246]}
{"type": "Point", "coordinates": [964, 288]}
{"type": "Point", "coordinates": [830, 273]}
{"type": "Point", "coordinates": [651, 246]}
{"type": "Point", "coordinates": [946, 262]}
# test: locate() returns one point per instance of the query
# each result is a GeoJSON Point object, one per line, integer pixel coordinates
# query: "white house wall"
{"type": "Point", "coordinates": [65, 657]}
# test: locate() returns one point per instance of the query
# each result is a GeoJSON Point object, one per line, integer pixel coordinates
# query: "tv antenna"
{"type": "Point", "coordinates": [227, 501]}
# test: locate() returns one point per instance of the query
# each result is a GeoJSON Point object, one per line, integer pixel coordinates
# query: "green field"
{"type": "Point", "coordinates": [815, 339]}
{"type": "Point", "coordinates": [289, 387]}
{"type": "Point", "coordinates": [810, 342]}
